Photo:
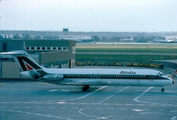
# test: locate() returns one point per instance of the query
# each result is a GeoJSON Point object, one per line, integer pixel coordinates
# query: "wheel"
{"type": "Point", "coordinates": [162, 89]}
{"type": "Point", "coordinates": [85, 88]}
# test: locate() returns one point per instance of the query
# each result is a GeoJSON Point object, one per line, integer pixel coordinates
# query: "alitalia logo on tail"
{"type": "Point", "coordinates": [28, 67]}
{"type": "Point", "coordinates": [32, 67]}
{"type": "Point", "coordinates": [26, 64]}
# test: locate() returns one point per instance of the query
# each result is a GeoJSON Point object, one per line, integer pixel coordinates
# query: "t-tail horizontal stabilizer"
{"type": "Point", "coordinates": [27, 64]}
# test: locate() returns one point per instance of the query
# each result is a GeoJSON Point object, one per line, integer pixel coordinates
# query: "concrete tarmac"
{"type": "Point", "coordinates": [29, 100]}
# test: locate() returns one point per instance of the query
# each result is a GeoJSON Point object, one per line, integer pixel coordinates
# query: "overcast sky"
{"type": "Point", "coordinates": [89, 15]}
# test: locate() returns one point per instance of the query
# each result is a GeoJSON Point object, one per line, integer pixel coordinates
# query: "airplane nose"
{"type": "Point", "coordinates": [173, 81]}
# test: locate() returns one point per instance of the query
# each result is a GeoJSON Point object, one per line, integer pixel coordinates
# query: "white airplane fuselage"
{"type": "Point", "coordinates": [111, 77]}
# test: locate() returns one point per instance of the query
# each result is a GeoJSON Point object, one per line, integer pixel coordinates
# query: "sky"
{"type": "Point", "coordinates": [89, 15]}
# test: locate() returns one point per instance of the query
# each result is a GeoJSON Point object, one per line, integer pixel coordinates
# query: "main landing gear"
{"type": "Point", "coordinates": [85, 88]}
{"type": "Point", "coordinates": [162, 89]}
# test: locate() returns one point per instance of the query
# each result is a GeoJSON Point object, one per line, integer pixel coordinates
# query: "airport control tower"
{"type": "Point", "coordinates": [65, 31]}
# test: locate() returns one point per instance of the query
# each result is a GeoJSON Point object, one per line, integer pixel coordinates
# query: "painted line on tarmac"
{"type": "Point", "coordinates": [2, 84]}
{"type": "Point", "coordinates": [113, 95]}
{"type": "Point", "coordinates": [151, 103]}
{"type": "Point", "coordinates": [84, 96]}
{"type": "Point", "coordinates": [137, 98]}
{"type": "Point", "coordinates": [38, 114]}
{"type": "Point", "coordinates": [89, 115]}
{"type": "Point", "coordinates": [174, 118]}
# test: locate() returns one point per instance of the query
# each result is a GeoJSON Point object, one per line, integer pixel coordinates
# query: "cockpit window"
{"type": "Point", "coordinates": [160, 74]}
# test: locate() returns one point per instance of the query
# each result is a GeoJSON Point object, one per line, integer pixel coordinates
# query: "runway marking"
{"type": "Point", "coordinates": [2, 107]}
{"type": "Point", "coordinates": [153, 104]}
{"type": "Point", "coordinates": [96, 108]}
{"type": "Point", "coordinates": [61, 102]}
{"type": "Point", "coordinates": [146, 113]}
{"type": "Point", "coordinates": [140, 110]}
{"type": "Point", "coordinates": [123, 108]}
{"type": "Point", "coordinates": [2, 84]}
{"type": "Point", "coordinates": [106, 104]}
{"type": "Point", "coordinates": [38, 114]}
{"type": "Point", "coordinates": [51, 107]}
{"type": "Point", "coordinates": [54, 90]}
{"type": "Point", "coordinates": [137, 98]}
{"type": "Point", "coordinates": [94, 116]}
{"type": "Point", "coordinates": [173, 111]}
{"type": "Point", "coordinates": [27, 107]}
{"type": "Point", "coordinates": [80, 111]}
{"type": "Point", "coordinates": [72, 103]}
{"type": "Point", "coordinates": [122, 117]}
{"type": "Point", "coordinates": [15, 107]}
{"type": "Point", "coordinates": [174, 118]}
{"type": "Point", "coordinates": [113, 95]}
{"type": "Point", "coordinates": [83, 103]}
{"type": "Point", "coordinates": [39, 107]}
{"type": "Point", "coordinates": [84, 96]}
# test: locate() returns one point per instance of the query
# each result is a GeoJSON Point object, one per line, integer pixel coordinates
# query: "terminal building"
{"type": "Point", "coordinates": [48, 53]}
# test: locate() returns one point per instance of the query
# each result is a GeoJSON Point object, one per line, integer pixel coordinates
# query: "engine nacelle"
{"type": "Point", "coordinates": [52, 77]}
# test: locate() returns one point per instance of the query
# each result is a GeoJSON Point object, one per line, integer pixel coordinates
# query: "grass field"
{"type": "Point", "coordinates": [158, 48]}
{"type": "Point", "coordinates": [145, 48]}
{"type": "Point", "coordinates": [123, 57]}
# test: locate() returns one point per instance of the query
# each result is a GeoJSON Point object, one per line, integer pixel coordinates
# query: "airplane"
{"type": "Point", "coordinates": [165, 41]}
{"type": "Point", "coordinates": [77, 38]}
{"type": "Point", "coordinates": [89, 77]}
